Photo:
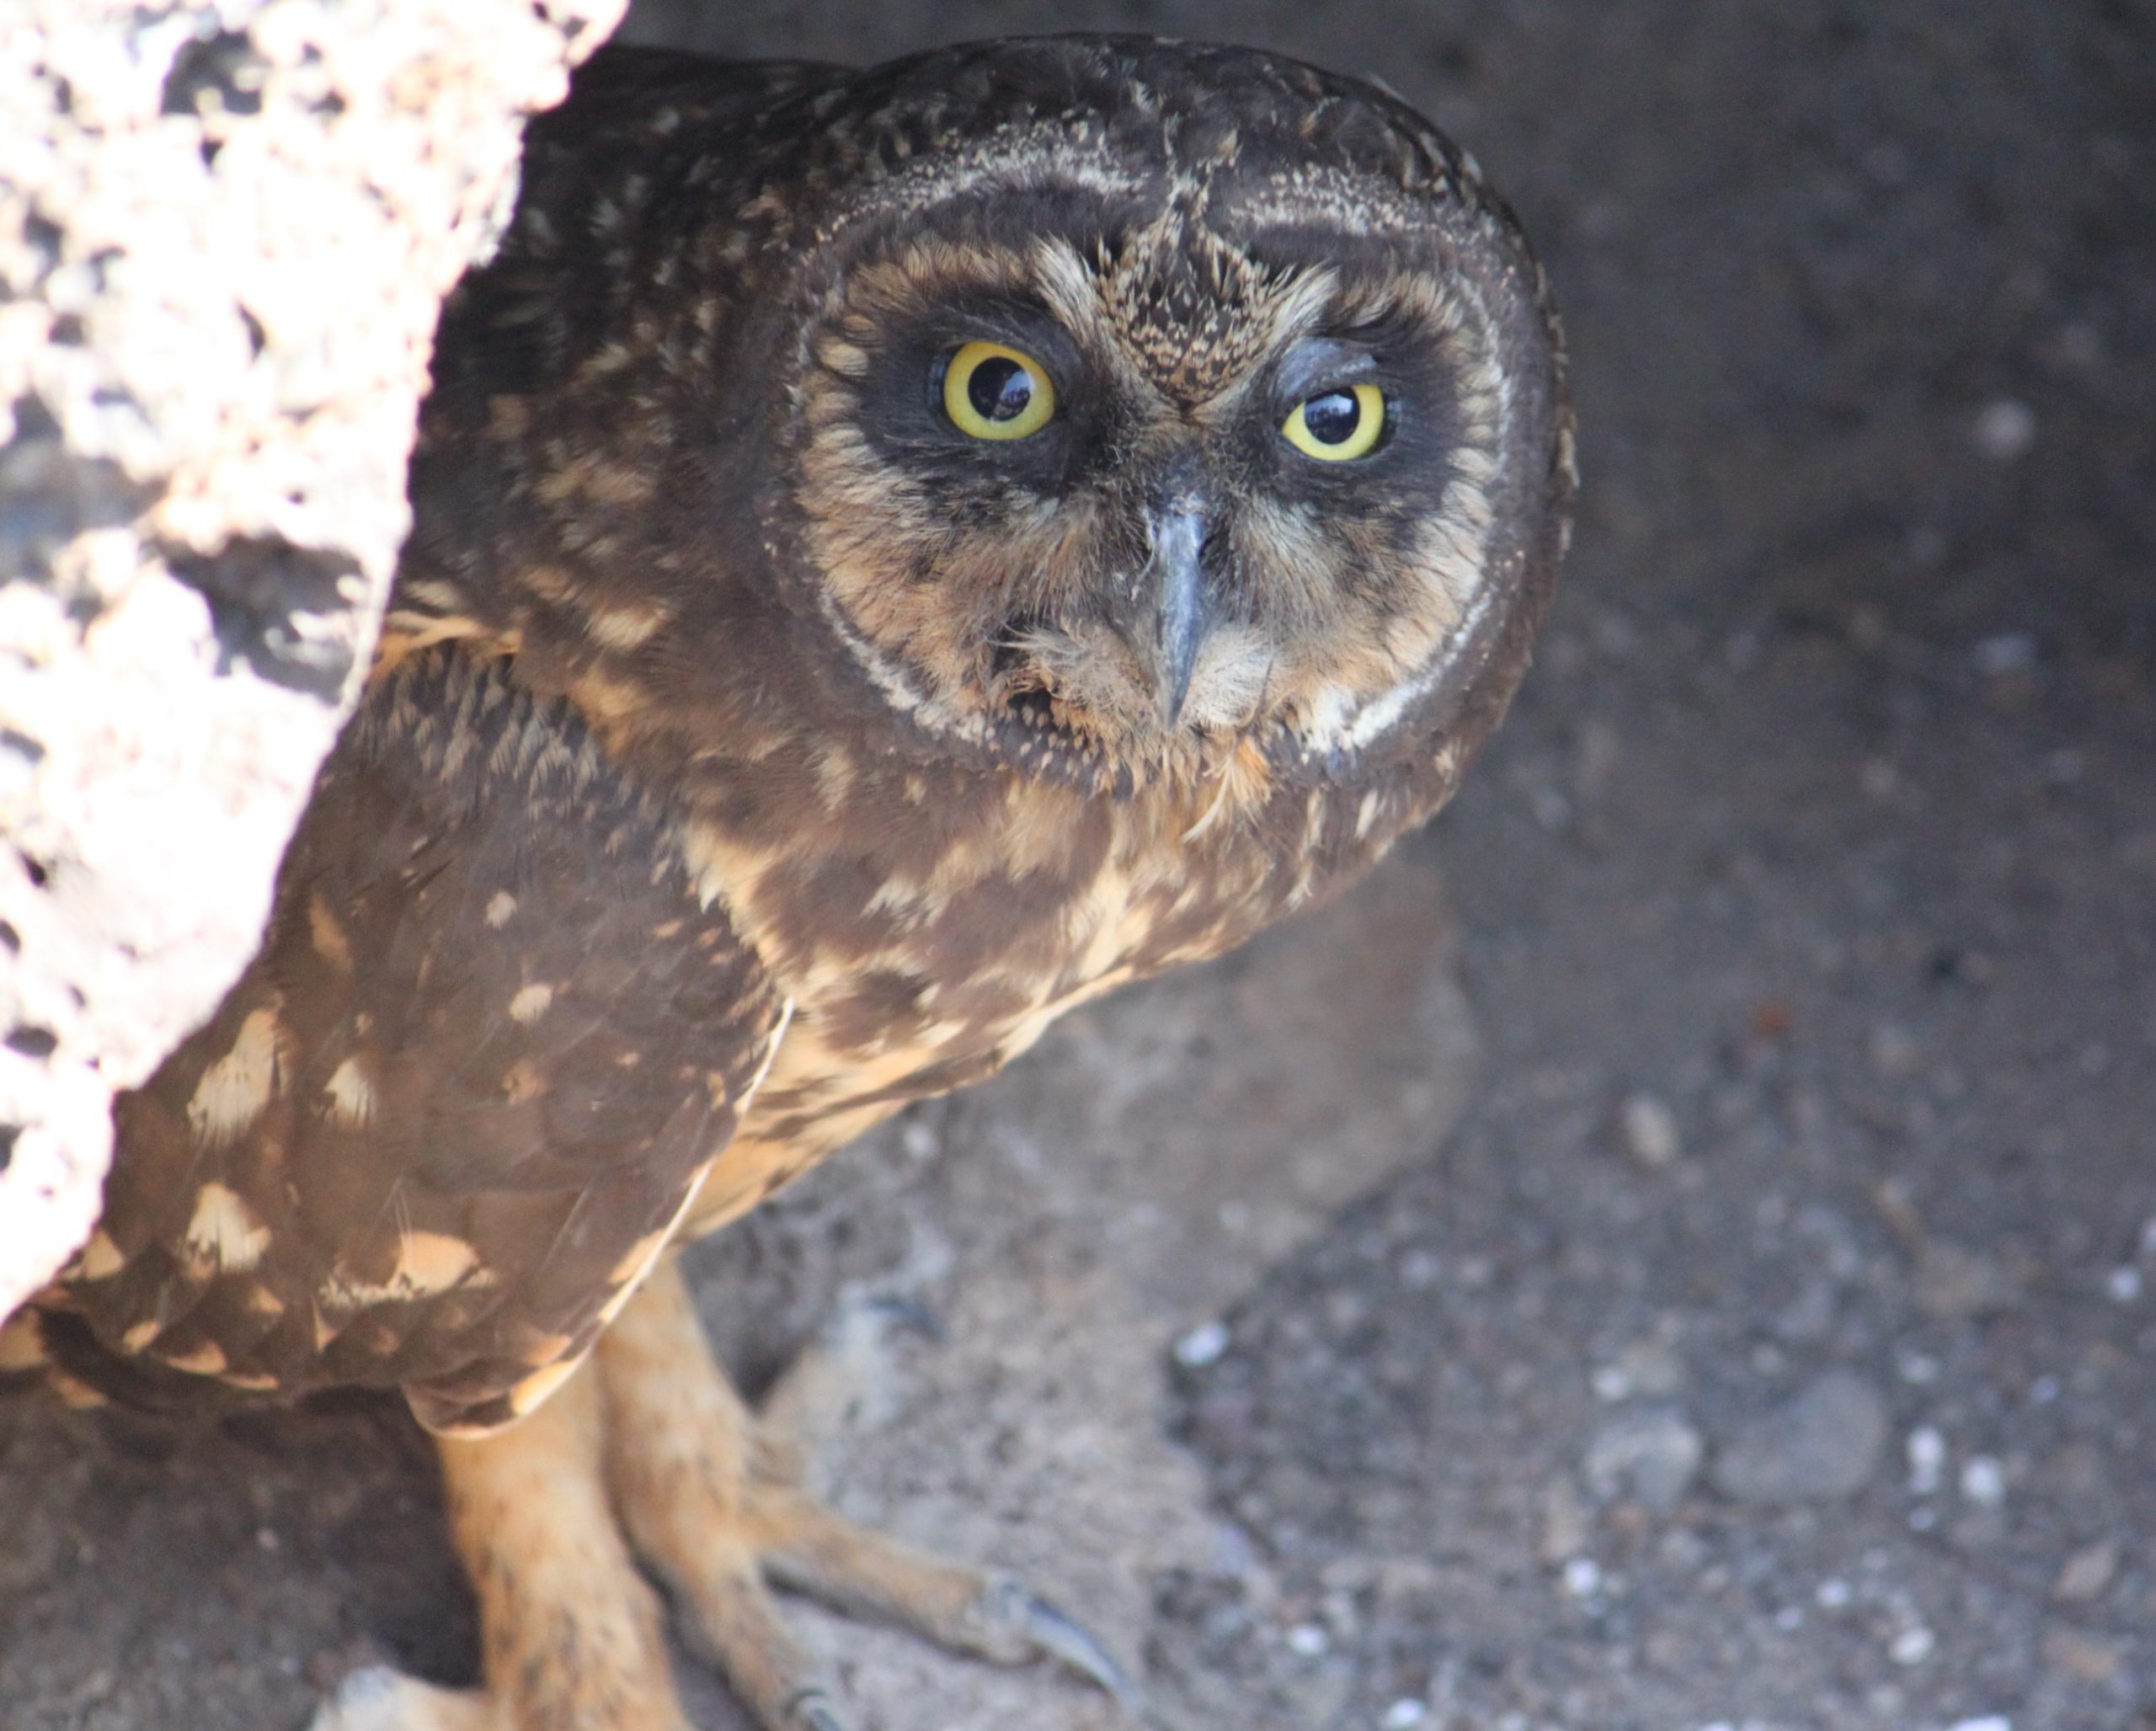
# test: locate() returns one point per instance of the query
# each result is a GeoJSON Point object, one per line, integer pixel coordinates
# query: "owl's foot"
{"type": "Point", "coordinates": [649, 1450]}
{"type": "Point", "coordinates": [710, 1498]}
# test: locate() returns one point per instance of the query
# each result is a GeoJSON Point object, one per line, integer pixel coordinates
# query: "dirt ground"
{"type": "Point", "coordinates": [1700, 1274]}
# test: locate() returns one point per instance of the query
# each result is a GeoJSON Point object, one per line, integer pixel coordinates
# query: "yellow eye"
{"type": "Point", "coordinates": [1337, 426]}
{"type": "Point", "coordinates": [993, 393]}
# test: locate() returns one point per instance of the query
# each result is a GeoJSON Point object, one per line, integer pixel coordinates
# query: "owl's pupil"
{"type": "Point", "coordinates": [999, 388]}
{"type": "Point", "coordinates": [1333, 418]}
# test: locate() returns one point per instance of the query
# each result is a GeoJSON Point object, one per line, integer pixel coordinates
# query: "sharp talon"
{"type": "Point", "coordinates": [1049, 1631]}
{"type": "Point", "coordinates": [912, 1313]}
{"type": "Point", "coordinates": [813, 1712]}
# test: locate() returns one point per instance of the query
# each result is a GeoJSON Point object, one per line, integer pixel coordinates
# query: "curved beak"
{"type": "Point", "coordinates": [1182, 612]}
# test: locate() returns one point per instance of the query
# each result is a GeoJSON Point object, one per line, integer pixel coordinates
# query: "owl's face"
{"type": "Point", "coordinates": [1117, 448]}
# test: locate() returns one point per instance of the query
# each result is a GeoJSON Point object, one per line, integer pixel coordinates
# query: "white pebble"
{"type": "Point", "coordinates": [1650, 1134]}
{"type": "Point", "coordinates": [1308, 1639]}
{"type": "Point", "coordinates": [1202, 1346]}
{"type": "Point", "coordinates": [1987, 1722]}
{"type": "Point", "coordinates": [1920, 1368]}
{"type": "Point", "coordinates": [1983, 1481]}
{"type": "Point", "coordinates": [1403, 1713]}
{"type": "Point", "coordinates": [1927, 1455]}
{"type": "Point", "coordinates": [1832, 1594]}
{"type": "Point", "coordinates": [2123, 1282]}
{"type": "Point", "coordinates": [2005, 429]}
{"type": "Point", "coordinates": [1913, 1646]}
{"type": "Point", "coordinates": [1583, 1576]}
{"type": "Point", "coordinates": [2010, 652]}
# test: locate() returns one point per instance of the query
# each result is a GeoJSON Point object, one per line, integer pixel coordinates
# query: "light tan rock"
{"type": "Point", "coordinates": [225, 231]}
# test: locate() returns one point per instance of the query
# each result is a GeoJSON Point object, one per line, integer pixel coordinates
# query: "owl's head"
{"type": "Point", "coordinates": [1123, 408]}
{"type": "Point", "coordinates": [1148, 400]}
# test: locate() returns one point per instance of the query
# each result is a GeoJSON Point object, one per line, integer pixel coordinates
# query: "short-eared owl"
{"type": "Point", "coordinates": [898, 554]}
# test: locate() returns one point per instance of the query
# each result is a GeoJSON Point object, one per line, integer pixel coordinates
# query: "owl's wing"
{"type": "Point", "coordinates": [563, 292]}
{"type": "Point", "coordinates": [448, 1119]}
{"type": "Point", "coordinates": [570, 264]}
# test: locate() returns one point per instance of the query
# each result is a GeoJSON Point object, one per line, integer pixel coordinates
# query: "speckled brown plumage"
{"type": "Point", "coordinates": [751, 751]}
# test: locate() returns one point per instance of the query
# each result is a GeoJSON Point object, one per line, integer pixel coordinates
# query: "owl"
{"type": "Point", "coordinates": [897, 555]}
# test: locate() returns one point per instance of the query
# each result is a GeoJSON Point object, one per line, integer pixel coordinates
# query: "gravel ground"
{"type": "Point", "coordinates": [1766, 1345]}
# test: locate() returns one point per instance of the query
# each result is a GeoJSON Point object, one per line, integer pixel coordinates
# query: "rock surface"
{"type": "Point", "coordinates": [225, 231]}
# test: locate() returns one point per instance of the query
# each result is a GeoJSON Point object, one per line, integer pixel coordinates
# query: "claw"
{"type": "Point", "coordinates": [910, 1313]}
{"type": "Point", "coordinates": [1008, 1609]}
{"type": "Point", "coordinates": [813, 1710]}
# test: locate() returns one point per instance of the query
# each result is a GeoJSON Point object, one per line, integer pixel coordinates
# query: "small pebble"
{"type": "Point", "coordinates": [2087, 1573]}
{"type": "Point", "coordinates": [2123, 1284]}
{"type": "Point", "coordinates": [1651, 1366]}
{"type": "Point", "coordinates": [1983, 1481]}
{"type": "Point", "coordinates": [1583, 1577]}
{"type": "Point", "coordinates": [1832, 1594]}
{"type": "Point", "coordinates": [1926, 1451]}
{"type": "Point", "coordinates": [1987, 1722]}
{"type": "Point", "coordinates": [1955, 1283]}
{"type": "Point", "coordinates": [1913, 1646]}
{"type": "Point", "coordinates": [1403, 1713]}
{"type": "Point", "coordinates": [1919, 1367]}
{"type": "Point", "coordinates": [2005, 429]}
{"type": "Point", "coordinates": [1650, 1131]}
{"type": "Point", "coordinates": [1824, 1443]}
{"type": "Point", "coordinates": [2084, 1658]}
{"type": "Point", "coordinates": [1308, 1639]}
{"type": "Point", "coordinates": [1895, 1054]}
{"type": "Point", "coordinates": [1653, 1455]}
{"type": "Point", "coordinates": [2010, 652]}
{"type": "Point", "coordinates": [1567, 1524]}
{"type": "Point", "coordinates": [1204, 1345]}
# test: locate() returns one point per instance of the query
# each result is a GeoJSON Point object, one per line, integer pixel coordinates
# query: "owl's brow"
{"type": "Point", "coordinates": [1071, 288]}
{"type": "Point", "coordinates": [1282, 316]}
{"type": "Point", "coordinates": [1295, 313]}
